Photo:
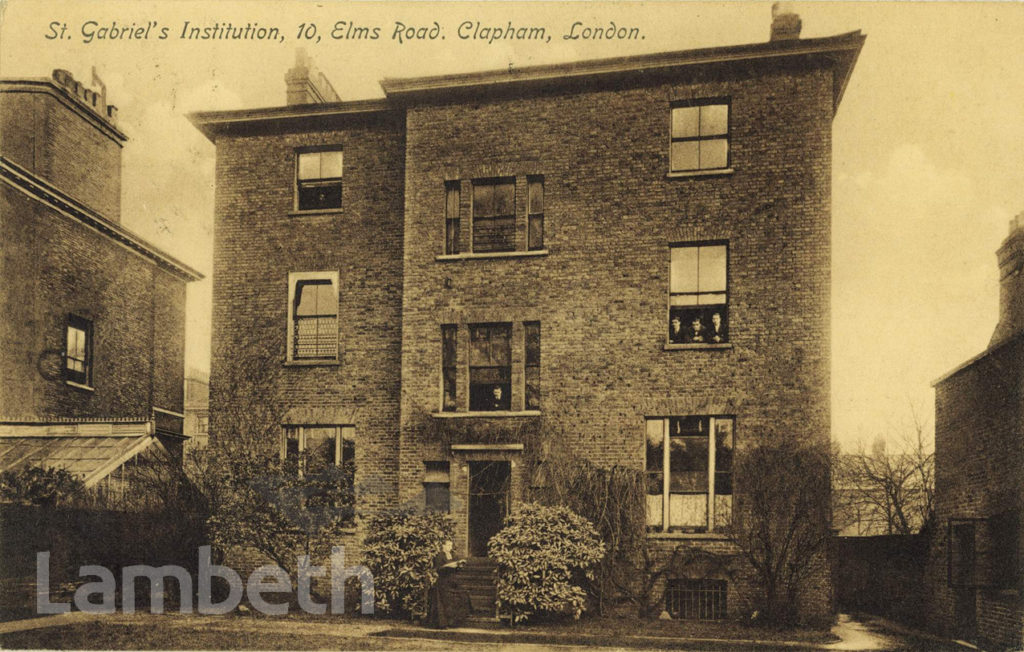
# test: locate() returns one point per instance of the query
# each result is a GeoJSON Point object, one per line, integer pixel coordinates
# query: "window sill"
{"type": "Point", "coordinates": [718, 172]}
{"type": "Point", "coordinates": [319, 211]}
{"type": "Point", "coordinates": [87, 388]}
{"type": "Point", "coordinates": [672, 536]}
{"type": "Point", "coordinates": [485, 415]}
{"type": "Point", "coordinates": [670, 346]}
{"type": "Point", "coordinates": [494, 254]}
{"type": "Point", "coordinates": [311, 363]}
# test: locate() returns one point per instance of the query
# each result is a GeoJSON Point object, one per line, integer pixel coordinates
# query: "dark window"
{"type": "Point", "coordinates": [490, 367]}
{"type": "Point", "coordinates": [1004, 563]}
{"type": "Point", "coordinates": [78, 350]}
{"type": "Point", "coordinates": [696, 599]}
{"type": "Point", "coordinates": [698, 294]}
{"type": "Point", "coordinates": [449, 400]}
{"type": "Point", "coordinates": [437, 487]}
{"type": "Point", "coordinates": [451, 217]}
{"type": "Point", "coordinates": [326, 457]}
{"type": "Point", "coordinates": [315, 320]}
{"type": "Point", "coordinates": [318, 177]}
{"type": "Point", "coordinates": [494, 215]}
{"type": "Point", "coordinates": [535, 212]}
{"type": "Point", "coordinates": [532, 364]}
{"type": "Point", "coordinates": [700, 137]}
{"type": "Point", "coordinates": [690, 487]}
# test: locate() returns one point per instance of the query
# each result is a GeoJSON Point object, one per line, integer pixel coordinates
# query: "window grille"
{"type": "Point", "coordinates": [696, 599]}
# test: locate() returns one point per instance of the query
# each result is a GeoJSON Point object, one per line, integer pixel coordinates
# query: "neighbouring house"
{"type": "Point", "coordinates": [197, 408]}
{"type": "Point", "coordinates": [92, 340]}
{"type": "Point", "coordinates": [975, 576]}
{"type": "Point", "coordinates": [626, 258]}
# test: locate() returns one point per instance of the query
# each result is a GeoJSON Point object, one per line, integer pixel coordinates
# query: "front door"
{"type": "Point", "coordinates": [488, 503]}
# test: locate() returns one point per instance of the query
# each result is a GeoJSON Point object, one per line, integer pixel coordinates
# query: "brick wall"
{"type": "Point", "coordinates": [47, 137]}
{"type": "Point", "coordinates": [601, 291]}
{"type": "Point", "coordinates": [58, 266]}
{"type": "Point", "coordinates": [259, 241]}
{"type": "Point", "coordinates": [979, 454]}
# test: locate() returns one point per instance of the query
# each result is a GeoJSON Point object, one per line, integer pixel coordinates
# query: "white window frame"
{"type": "Point", "coordinates": [296, 206]}
{"type": "Point", "coordinates": [294, 278]}
{"type": "Point", "coordinates": [341, 435]}
{"type": "Point", "coordinates": [666, 477]}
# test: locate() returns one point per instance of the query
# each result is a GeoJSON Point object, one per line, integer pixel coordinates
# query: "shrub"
{"type": "Point", "coordinates": [543, 555]}
{"type": "Point", "coordinates": [36, 485]}
{"type": "Point", "coordinates": [399, 550]}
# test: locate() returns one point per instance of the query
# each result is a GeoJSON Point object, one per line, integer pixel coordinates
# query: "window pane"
{"type": "Point", "coordinates": [535, 237]}
{"type": "Point", "coordinates": [330, 164]}
{"type": "Point", "coordinates": [309, 165]}
{"type": "Point", "coordinates": [437, 496]}
{"type": "Point", "coordinates": [448, 344]}
{"type": "Point", "coordinates": [712, 269]}
{"type": "Point", "coordinates": [688, 464]}
{"type": "Point", "coordinates": [321, 445]}
{"type": "Point", "coordinates": [532, 335]}
{"type": "Point", "coordinates": [714, 120]}
{"type": "Point", "coordinates": [688, 510]}
{"type": "Point", "coordinates": [315, 298]}
{"type": "Point", "coordinates": [711, 299]}
{"type": "Point", "coordinates": [486, 395]}
{"type": "Point", "coordinates": [451, 207]}
{"type": "Point", "coordinates": [714, 153]}
{"type": "Point", "coordinates": [685, 155]}
{"type": "Point", "coordinates": [483, 199]}
{"type": "Point", "coordinates": [494, 234]}
{"type": "Point", "coordinates": [479, 346]}
{"type": "Point", "coordinates": [723, 456]}
{"type": "Point", "coordinates": [291, 445]}
{"type": "Point", "coordinates": [655, 453]}
{"type": "Point", "coordinates": [684, 269]}
{"type": "Point", "coordinates": [316, 195]}
{"type": "Point", "coordinates": [501, 345]}
{"type": "Point", "coordinates": [536, 196]}
{"type": "Point", "coordinates": [685, 122]}
{"type": "Point", "coordinates": [533, 388]}
{"type": "Point", "coordinates": [505, 199]}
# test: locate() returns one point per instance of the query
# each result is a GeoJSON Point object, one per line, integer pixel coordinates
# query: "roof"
{"type": "Point", "coordinates": [840, 53]}
{"type": "Point", "coordinates": [42, 191]}
{"type": "Point", "coordinates": [844, 48]}
{"type": "Point", "coordinates": [991, 350]}
{"type": "Point", "coordinates": [91, 451]}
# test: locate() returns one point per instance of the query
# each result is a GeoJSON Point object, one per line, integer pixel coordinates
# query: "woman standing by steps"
{"type": "Point", "coordinates": [447, 604]}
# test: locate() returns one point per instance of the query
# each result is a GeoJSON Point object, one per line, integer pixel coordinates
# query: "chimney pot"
{"type": "Point", "coordinates": [786, 23]}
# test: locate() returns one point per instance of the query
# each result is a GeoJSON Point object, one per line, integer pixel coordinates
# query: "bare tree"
{"type": "Point", "coordinates": [892, 486]}
{"type": "Point", "coordinates": [781, 524]}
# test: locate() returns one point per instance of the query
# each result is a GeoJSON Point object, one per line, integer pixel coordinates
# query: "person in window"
{"type": "Point", "coordinates": [697, 334]}
{"type": "Point", "coordinates": [675, 330]}
{"type": "Point", "coordinates": [447, 603]}
{"type": "Point", "coordinates": [498, 400]}
{"type": "Point", "coordinates": [717, 332]}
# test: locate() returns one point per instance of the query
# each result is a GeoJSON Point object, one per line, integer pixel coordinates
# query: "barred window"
{"type": "Point", "coordinates": [535, 212]}
{"type": "Point", "coordinates": [452, 222]}
{"type": "Point", "coordinates": [313, 316]}
{"type": "Point", "coordinates": [696, 599]}
{"type": "Point", "coordinates": [532, 364]}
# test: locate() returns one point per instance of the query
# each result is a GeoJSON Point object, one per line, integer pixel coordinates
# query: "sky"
{"type": "Point", "coordinates": [927, 144]}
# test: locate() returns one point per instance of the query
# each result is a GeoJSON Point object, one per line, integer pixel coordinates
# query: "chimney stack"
{"type": "Point", "coordinates": [96, 102]}
{"type": "Point", "coordinates": [306, 84]}
{"type": "Point", "coordinates": [785, 22]}
{"type": "Point", "coordinates": [1011, 283]}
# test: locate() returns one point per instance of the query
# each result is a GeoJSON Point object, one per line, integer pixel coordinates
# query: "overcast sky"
{"type": "Point", "coordinates": [927, 152]}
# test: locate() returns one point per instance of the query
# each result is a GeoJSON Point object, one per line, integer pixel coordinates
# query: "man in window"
{"type": "Point", "coordinates": [675, 330]}
{"type": "Point", "coordinates": [717, 333]}
{"type": "Point", "coordinates": [696, 334]}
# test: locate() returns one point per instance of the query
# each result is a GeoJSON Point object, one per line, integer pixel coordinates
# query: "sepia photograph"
{"type": "Point", "coordinates": [513, 324]}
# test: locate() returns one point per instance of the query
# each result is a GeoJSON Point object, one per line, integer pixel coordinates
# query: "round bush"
{"type": "Point", "coordinates": [544, 554]}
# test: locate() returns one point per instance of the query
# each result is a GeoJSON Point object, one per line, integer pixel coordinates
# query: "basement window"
{"type": "Point", "coordinates": [696, 599]}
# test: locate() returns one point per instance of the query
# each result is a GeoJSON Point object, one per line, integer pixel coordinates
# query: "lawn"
{"type": "Point", "coordinates": [303, 632]}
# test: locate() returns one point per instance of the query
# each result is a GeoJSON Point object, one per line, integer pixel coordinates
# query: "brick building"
{"type": "Point", "coordinates": [628, 259]}
{"type": "Point", "coordinates": [975, 577]}
{"type": "Point", "coordinates": [92, 343]}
